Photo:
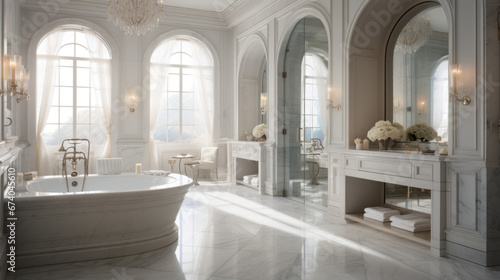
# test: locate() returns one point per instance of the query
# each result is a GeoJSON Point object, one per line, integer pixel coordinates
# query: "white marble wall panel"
{"type": "Point", "coordinates": [132, 154]}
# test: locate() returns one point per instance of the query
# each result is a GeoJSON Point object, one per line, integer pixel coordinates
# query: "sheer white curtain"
{"type": "Point", "coordinates": [100, 68]}
{"type": "Point", "coordinates": [321, 70]}
{"type": "Point", "coordinates": [47, 61]}
{"type": "Point", "coordinates": [203, 81]}
{"type": "Point", "coordinates": [158, 76]}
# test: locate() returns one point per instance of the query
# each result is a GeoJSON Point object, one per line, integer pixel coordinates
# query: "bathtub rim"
{"type": "Point", "coordinates": [24, 194]}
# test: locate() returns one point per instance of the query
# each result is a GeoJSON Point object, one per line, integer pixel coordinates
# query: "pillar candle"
{"type": "Point", "coordinates": [138, 168]}
{"type": "Point", "coordinates": [366, 144]}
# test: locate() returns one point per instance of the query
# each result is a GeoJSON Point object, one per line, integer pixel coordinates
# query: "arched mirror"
{"type": "Point", "coordinates": [264, 95]}
{"type": "Point", "coordinates": [306, 117]}
{"type": "Point", "coordinates": [252, 90]}
{"type": "Point", "coordinates": [418, 71]}
{"type": "Point", "coordinates": [417, 82]}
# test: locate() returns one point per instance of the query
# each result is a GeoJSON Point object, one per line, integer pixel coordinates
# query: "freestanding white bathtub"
{"type": "Point", "coordinates": [115, 215]}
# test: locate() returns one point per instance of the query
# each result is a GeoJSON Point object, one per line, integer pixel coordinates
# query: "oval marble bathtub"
{"type": "Point", "coordinates": [115, 215]}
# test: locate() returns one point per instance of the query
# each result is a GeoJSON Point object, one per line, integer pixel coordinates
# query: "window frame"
{"type": "Point", "coordinates": [195, 108]}
{"type": "Point", "coordinates": [92, 94]}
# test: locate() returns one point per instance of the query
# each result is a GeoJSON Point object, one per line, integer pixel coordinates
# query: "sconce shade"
{"type": "Point", "coordinates": [12, 68]}
{"type": "Point", "coordinates": [16, 77]}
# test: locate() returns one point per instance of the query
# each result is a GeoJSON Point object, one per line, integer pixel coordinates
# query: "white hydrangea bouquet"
{"type": "Point", "coordinates": [383, 131]}
{"type": "Point", "coordinates": [260, 132]}
{"type": "Point", "coordinates": [421, 131]}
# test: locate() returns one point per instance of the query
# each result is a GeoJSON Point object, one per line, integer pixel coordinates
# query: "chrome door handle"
{"type": "Point", "coordinates": [10, 122]}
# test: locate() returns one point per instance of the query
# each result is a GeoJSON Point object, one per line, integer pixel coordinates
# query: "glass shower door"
{"type": "Point", "coordinates": [294, 170]}
{"type": "Point", "coordinates": [305, 112]}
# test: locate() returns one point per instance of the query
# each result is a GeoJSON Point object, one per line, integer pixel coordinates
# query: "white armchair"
{"type": "Point", "coordinates": [208, 159]}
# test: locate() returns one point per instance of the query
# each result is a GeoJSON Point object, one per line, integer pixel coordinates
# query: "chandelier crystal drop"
{"type": "Point", "coordinates": [414, 35]}
{"type": "Point", "coordinates": [136, 16]}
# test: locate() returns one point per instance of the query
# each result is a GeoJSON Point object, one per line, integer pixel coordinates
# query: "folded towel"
{"type": "Point", "coordinates": [255, 181]}
{"type": "Point", "coordinates": [156, 172]}
{"type": "Point", "coordinates": [407, 228]}
{"type": "Point", "coordinates": [249, 177]}
{"type": "Point", "coordinates": [412, 220]}
{"type": "Point", "coordinates": [107, 166]}
{"type": "Point", "coordinates": [376, 217]}
{"type": "Point", "coordinates": [383, 211]}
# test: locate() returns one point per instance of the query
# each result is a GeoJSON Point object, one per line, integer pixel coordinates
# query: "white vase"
{"type": "Point", "coordinates": [359, 146]}
{"type": "Point", "coordinates": [249, 137]}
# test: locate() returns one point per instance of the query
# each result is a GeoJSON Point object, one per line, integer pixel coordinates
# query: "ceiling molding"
{"type": "Point", "coordinates": [236, 14]}
{"type": "Point", "coordinates": [97, 9]}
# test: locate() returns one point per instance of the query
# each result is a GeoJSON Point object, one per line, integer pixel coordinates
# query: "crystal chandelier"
{"type": "Point", "coordinates": [414, 35]}
{"type": "Point", "coordinates": [136, 16]}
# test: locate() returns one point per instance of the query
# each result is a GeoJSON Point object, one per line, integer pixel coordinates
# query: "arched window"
{"type": "Point", "coordinates": [73, 93]}
{"type": "Point", "coordinates": [315, 86]}
{"type": "Point", "coordinates": [182, 92]}
{"type": "Point", "coordinates": [440, 98]}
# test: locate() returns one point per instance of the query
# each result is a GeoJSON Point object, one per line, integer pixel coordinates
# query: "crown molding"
{"type": "Point", "coordinates": [97, 9]}
{"type": "Point", "coordinates": [245, 9]}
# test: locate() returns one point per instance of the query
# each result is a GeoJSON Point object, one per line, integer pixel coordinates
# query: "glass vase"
{"type": "Point", "coordinates": [382, 144]}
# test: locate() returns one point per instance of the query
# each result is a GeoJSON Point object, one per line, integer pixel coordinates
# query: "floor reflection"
{"type": "Point", "coordinates": [232, 232]}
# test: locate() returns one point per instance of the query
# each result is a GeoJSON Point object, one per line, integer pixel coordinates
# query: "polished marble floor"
{"type": "Point", "coordinates": [231, 232]}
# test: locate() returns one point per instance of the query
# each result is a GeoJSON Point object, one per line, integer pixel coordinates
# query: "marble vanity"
{"type": "Point", "coordinates": [357, 178]}
{"type": "Point", "coordinates": [247, 158]}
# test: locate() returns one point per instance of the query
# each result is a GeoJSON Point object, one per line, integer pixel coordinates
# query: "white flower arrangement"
{"type": "Point", "coordinates": [384, 130]}
{"type": "Point", "coordinates": [358, 141]}
{"type": "Point", "coordinates": [260, 131]}
{"type": "Point", "coordinates": [421, 131]}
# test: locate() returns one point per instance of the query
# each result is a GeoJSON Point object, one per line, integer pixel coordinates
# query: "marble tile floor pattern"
{"type": "Point", "coordinates": [231, 232]}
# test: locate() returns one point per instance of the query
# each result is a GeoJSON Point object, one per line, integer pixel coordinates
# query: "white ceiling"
{"type": "Point", "coordinates": [206, 5]}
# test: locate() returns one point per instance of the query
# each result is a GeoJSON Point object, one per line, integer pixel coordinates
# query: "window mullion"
{"type": "Point", "coordinates": [181, 90]}
{"type": "Point", "coordinates": [74, 97]}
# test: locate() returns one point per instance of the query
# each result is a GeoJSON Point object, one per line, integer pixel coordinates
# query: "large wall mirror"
{"type": "Point", "coordinates": [8, 48]}
{"type": "Point", "coordinates": [2, 47]}
{"type": "Point", "coordinates": [417, 83]}
{"type": "Point", "coordinates": [252, 90]}
{"type": "Point", "coordinates": [417, 70]}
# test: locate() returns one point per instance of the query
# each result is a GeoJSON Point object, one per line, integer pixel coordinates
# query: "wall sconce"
{"type": "Point", "coordinates": [132, 101]}
{"type": "Point", "coordinates": [457, 84]}
{"type": "Point", "coordinates": [330, 105]}
{"type": "Point", "coordinates": [16, 76]}
{"type": "Point", "coordinates": [263, 103]}
{"type": "Point", "coordinates": [421, 107]}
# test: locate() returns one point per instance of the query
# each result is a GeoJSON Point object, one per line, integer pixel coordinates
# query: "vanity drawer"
{"type": "Point", "coordinates": [350, 163]}
{"type": "Point", "coordinates": [423, 171]}
{"type": "Point", "coordinates": [386, 167]}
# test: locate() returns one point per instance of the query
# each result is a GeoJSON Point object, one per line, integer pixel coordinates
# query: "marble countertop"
{"type": "Point", "coordinates": [398, 154]}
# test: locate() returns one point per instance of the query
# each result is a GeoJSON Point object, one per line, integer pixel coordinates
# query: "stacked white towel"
{"type": "Point", "coordinates": [248, 178]}
{"type": "Point", "coordinates": [381, 214]}
{"type": "Point", "coordinates": [108, 166]}
{"type": "Point", "coordinates": [411, 222]}
{"type": "Point", "coordinates": [255, 181]}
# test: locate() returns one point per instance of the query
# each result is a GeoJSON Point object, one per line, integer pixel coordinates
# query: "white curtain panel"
{"type": "Point", "coordinates": [203, 86]}
{"type": "Point", "coordinates": [100, 68]}
{"type": "Point", "coordinates": [47, 61]}
{"type": "Point", "coordinates": [158, 76]}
